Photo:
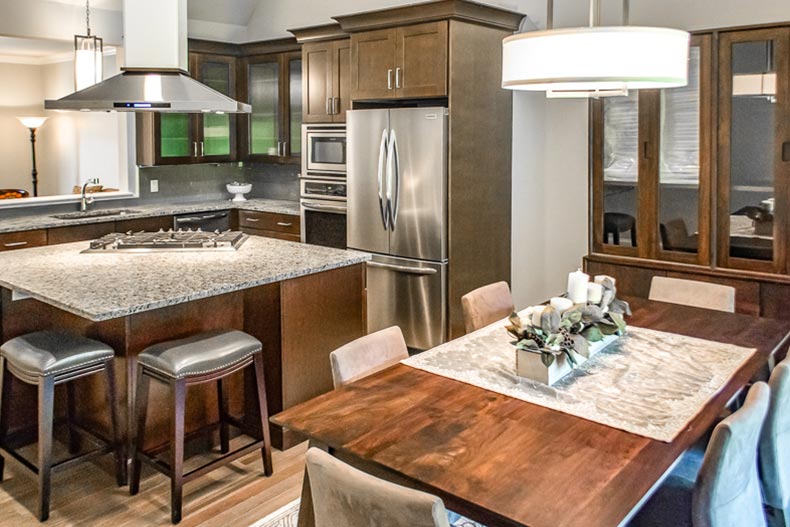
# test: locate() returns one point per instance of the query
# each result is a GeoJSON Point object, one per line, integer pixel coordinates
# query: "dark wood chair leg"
{"type": "Point", "coordinates": [222, 404]}
{"type": "Point", "coordinates": [112, 404]}
{"type": "Point", "coordinates": [71, 415]}
{"type": "Point", "coordinates": [138, 437]}
{"type": "Point", "coordinates": [5, 396]}
{"type": "Point", "coordinates": [260, 384]}
{"type": "Point", "coordinates": [178, 401]}
{"type": "Point", "coordinates": [633, 235]}
{"type": "Point", "coordinates": [46, 403]}
{"type": "Point", "coordinates": [615, 237]}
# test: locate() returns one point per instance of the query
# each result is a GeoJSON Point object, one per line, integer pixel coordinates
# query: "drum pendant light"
{"type": "Point", "coordinates": [595, 61]}
{"type": "Point", "coordinates": [88, 50]}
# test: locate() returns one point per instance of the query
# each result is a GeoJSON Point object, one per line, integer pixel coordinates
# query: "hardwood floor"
{"type": "Point", "coordinates": [86, 495]}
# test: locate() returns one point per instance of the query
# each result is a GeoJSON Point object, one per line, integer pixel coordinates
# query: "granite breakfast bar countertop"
{"type": "Point", "coordinates": [103, 286]}
{"type": "Point", "coordinates": [34, 221]}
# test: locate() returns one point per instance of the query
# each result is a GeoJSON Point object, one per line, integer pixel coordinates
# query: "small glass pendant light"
{"type": "Point", "coordinates": [595, 61]}
{"type": "Point", "coordinates": [88, 58]}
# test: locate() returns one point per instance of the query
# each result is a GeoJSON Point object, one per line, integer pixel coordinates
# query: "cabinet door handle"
{"type": "Point", "coordinates": [202, 149]}
{"type": "Point", "coordinates": [335, 104]}
{"type": "Point", "coordinates": [328, 104]}
{"type": "Point", "coordinates": [194, 148]}
{"type": "Point", "coordinates": [397, 77]}
{"type": "Point", "coordinates": [284, 224]}
{"type": "Point", "coordinates": [285, 148]}
{"type": "Point", "coordinates": [279, 148]}
{"type": "Point", "coordinates": [389, 79]}
{"type": "Point", "coordinates": [14, 244]}
{"type": "Point", "coordinates": [252, 220]}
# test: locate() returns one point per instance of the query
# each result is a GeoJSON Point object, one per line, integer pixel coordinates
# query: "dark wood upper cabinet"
{"type": "Point", "coordinates": [326, 70]}
{"type": "Point", "coordinates": [180, 138]}
{"type": "Point", "coordinates": [400, 62]}
{"type": "Point", "coordinates": [272, 85]}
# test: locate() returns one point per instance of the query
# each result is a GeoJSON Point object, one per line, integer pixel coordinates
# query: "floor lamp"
{"type": "Point", "coordinates": [32, 124]}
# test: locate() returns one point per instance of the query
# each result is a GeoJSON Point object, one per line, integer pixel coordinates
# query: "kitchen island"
{"type": "Point", "coordinates": [300, 301]}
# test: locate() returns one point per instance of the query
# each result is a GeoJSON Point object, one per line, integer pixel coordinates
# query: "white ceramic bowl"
{"type": "Point", "coordinates": [239, 190]}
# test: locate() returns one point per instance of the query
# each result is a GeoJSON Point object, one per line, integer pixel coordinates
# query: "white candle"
{"type": "Point", "coordinates": [561, 304]}
{"type": "Point", "coordinates": [594, 293]}
{"type": "Point", "coordinates": [577, 286]}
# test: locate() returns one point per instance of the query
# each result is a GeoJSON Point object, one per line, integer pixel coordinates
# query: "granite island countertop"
{"type": "Point", "coordinates": [103, 286]}
{"type": "Point", "coordinates": [31, 222]}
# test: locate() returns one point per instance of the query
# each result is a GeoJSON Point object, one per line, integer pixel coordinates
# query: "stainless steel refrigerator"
{"type": "Point", "coordinates": [397, 210]}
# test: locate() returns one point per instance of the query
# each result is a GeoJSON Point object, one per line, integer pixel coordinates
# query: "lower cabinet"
{"type": "Point", "coordinates": [22, 240]}
{"type": "Point", "coordinates": [270, 225]}
{"type": "Point", "coordinates": [76, 233]}
{"type": "Point", "coordinates": [752, 296]}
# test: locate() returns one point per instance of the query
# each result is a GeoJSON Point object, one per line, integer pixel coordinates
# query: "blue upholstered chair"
{"type": "Point", "coordinates": [725, 492]}
{"type": "Point", "coordinates": [774, 454]}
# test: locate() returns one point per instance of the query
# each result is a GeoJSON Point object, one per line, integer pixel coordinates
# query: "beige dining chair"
{"type": "Point", "coordinates": [367, 355]}
{"type": "Point", "coordinates": [726, 490]}
{"type": "Point", "coordinates": [693, 293]}
{"type": "Point", "coordinates": [486, 305]}
{"type": "Point", "coordinates": [774, 454]}
{"type": "Point", "coordinates": [343, 495]}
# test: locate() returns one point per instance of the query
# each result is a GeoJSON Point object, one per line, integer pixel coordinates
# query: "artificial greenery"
{"type": "Point", "coordinates": [571, 332]}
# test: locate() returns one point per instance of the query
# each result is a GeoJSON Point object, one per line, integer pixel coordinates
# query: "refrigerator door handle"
{"type": "Point", "coordinates": [403, 268]}
{"type": "Point", "coordinates": [392, 177]}
{"type": "Point", "coordinates": [396, 172]}
{"type": "Point", "coordinates": [383, 157]}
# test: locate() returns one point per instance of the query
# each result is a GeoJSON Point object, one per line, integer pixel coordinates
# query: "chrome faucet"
{"type": "Point", "coordinates": [85, 201]}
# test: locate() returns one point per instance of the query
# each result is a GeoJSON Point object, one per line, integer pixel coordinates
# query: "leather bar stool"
{"type": "Point", "coordinates": [46, 359]}
{"type": "Point", "coordinates": [201, 358]}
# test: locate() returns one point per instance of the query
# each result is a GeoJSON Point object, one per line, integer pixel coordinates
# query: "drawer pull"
{"type": "Point", "coordinates": [253, 220]}
{"type": "Point", "coordinates": [284, 224]}
{"type": "Point", "coordinates": [15, 244]}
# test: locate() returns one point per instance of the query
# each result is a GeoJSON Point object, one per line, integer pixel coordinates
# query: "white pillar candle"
{"type": "Point", "coordinates": [561, 304]}
{"type": "Point", "coordinates": [577, 286]}
{"type": "Point", "coordinates": [594, 293]}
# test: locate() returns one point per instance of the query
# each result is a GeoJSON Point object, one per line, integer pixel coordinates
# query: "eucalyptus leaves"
{"type": "Point", "coordinates": [553, 333]}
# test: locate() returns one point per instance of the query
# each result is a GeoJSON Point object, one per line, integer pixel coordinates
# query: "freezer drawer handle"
{"type": "Point", "coordinates": [14, 244]}
{"type": "Point", "coordinates": [403, 268]}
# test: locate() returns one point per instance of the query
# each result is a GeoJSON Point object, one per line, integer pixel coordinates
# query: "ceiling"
{"type": "Point", "coordinates": [34, 47]}
{"type": "Point", "coordinates": [236, 12]}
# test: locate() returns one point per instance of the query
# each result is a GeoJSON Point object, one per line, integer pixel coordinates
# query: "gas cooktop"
{"type": "Point", "coordinates": [166, 241]}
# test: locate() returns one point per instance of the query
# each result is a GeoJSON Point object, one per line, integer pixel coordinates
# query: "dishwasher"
{"type": "Point", "coordinates": [211, 221]}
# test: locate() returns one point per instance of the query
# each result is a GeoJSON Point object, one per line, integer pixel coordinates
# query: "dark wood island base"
{"type": "Point", "coordinates": [299, 321]}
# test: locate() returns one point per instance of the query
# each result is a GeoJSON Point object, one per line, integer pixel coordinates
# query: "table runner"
{"type": "Point", "coordinates": [648, 382]}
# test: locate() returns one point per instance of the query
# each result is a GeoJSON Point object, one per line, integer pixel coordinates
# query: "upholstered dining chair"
{"type": "Point", "coordinates": [726, 490]}
{"type": "Point", "coordinates": [486, 305]}
{"type": "Point", "coordinates": [774, 453]}
{"type": "Point", "coordinates": [693, 293]}
{"type": "Point", "coordinates": [343, 495]}
{"type": "Point", "coordinates": [367, 355]}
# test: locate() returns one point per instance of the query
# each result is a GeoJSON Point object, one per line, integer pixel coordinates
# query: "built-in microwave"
{"type": "Point", "coordinates": [324, 150]}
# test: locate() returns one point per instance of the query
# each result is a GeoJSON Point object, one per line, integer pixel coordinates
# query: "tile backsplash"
{"type": "Point", "coordinates": [193, 182]}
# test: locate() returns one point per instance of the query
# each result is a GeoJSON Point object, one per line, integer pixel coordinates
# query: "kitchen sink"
{"type": "Point", "coordinates": [94, 214]}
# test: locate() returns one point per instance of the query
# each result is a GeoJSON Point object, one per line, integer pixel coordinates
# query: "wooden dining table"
{"type": "Point", "coordinates": [506, 462]}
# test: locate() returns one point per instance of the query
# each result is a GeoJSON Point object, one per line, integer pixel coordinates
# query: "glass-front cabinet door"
{"type": "Point", "coordinates": [218, 138]}
{"type": "Point", "coordinates": [176, 141]}
{"type": "Point", "coordinates": [274, 89]}
{"type": "Point", "coordinates": [754, 157]}
{"type": "Point", "coordinates": [684, 168]}
{"type": "Point", "coordinates": [265, 121]}
{"type": "Point", "coordinates": [617, 168]}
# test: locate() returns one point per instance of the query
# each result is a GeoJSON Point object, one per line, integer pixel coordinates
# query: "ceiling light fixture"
{"type": "Point", "coordinates": [595, 61]}
{"type": "Point", "coordinates": [88, 59]}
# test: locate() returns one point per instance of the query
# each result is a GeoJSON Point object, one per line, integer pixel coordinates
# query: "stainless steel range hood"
{"type": "Point", "coordinates": [155, 77]}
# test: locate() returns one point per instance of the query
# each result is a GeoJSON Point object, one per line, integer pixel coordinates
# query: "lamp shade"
{"type": "Point", "coordinates": [595, 60]}
{"type": "Point", "coordinates": [32, 122]}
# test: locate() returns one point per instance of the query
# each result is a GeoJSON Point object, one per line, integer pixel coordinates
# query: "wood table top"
{"type": "Point", "coordinates": [503, 461]}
